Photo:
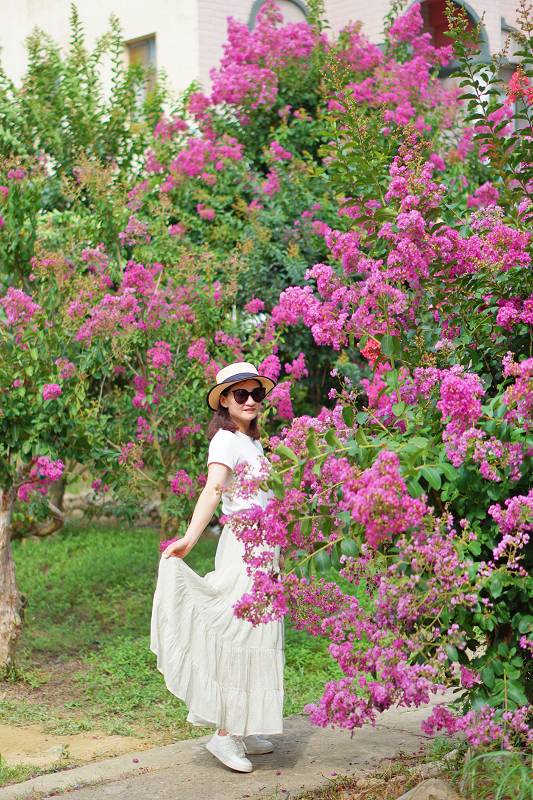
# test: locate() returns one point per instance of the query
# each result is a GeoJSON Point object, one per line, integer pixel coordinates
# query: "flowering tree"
{"type": "Point", "coordinates": [171, 331]}
{"type": "Point", "coordinates": [60, 108]}
{"type": "Point", "coordinates": [43, 415]}
{"type": "Point", "coordinates": [415, 485]}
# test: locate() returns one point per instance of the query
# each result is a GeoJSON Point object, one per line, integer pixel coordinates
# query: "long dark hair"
{"type": "Point", "coordinates": [221, 420]}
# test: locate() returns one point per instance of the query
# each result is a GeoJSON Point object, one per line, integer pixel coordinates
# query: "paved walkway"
{"type": "Point", "coordinates": [305, 757]}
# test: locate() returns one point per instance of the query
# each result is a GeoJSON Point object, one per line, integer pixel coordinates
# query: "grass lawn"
{"type": "Point", "coordinates": [84, 654]}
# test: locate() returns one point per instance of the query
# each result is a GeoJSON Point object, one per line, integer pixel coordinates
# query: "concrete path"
{"type": "Point", "coordinates": [305, 757]}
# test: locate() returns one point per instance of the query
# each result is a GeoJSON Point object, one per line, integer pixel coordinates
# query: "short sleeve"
{"type": "Point", "coordinates": [223, 449]}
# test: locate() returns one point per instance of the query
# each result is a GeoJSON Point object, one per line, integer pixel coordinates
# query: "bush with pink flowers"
{"type": "Point", "coordinates": [414, 485]}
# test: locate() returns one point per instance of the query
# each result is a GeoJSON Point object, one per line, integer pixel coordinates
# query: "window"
{"type": "Point", "coordinates": [436, 23]}
{"type": "Point", "coordinates": [142, 51]}
{"type": "Point", "coordinates": [292, 11]}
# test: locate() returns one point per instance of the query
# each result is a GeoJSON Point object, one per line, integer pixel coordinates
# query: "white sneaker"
{"type": "Point", "coordinates": [257, 746]}
{"type": "Point", "coordinates": [230, 751]}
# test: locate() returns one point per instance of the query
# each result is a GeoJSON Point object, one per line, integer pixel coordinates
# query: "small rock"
{"type": "Point", "coordinates": [432, 789]}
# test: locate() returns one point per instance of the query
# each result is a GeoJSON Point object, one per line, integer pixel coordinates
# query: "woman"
{"type": "Point", "coordinates": [228, 672]}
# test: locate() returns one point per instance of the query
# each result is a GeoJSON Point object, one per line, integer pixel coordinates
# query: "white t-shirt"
{"type": "Point", "coordinates": [232, 449]}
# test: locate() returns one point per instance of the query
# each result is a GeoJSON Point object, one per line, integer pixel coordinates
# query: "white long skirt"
{"type": "Point", "coordinates": [228, 672]}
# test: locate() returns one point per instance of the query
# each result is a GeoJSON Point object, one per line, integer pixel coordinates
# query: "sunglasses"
{"type": "Point", "coordinates": [242, 395]}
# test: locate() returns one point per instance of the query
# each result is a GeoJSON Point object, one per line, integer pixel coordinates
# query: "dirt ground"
{"type": "Point", "coordinates": [29, 744]}
{"type": "Point", "coordinates": [35, 744]}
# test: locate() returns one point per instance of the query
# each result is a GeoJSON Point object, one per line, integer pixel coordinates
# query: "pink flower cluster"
{"type": "Point", "coordinates": [278, 153]}
{"type": "Point", "coordinates": [66, 368]}
{"type": "Point", "coordinates": [248, 73]}
{"type": "Point", "coordinates": [519, 396]}
{"type": "Point", "coordinates": [270, 367]}
{"type": "Point", "coordinates": [482, 727]}
{"type": "Point", "coordinates": [166, 129]}
{"type": "Point", "coordinates": [160, 355]}
{"type": "Point", "coordinates": [297, 368]}
{"type": "Point", "coordinates": [379, 502]}
{"type": "Point", "coordinates": [485, 195]}
{"type": "Point", "coordinates": [181, 484]}
{"type": "Point", "coordinates": [144, 300]}
{"type": "Point", "coordinates": [404, 87]}
{"type": "Point", "coordinates": [51, 391]}
{"type": "Point", "coordinates": [254, 306]}
{"type": "Point", "coordinates": [280, 399]}
{"type": "Point", "coordinates": [43, 471]}
{"type": "Point", "coordinates": [515, 522]}
{"type": "Point", "coordinates": [135, 232]}
{"type": "Point", "coordinates": [19, 308]}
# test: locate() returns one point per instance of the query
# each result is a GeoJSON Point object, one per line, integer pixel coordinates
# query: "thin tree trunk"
{"type": "Point", "coordinates": [10, 599]}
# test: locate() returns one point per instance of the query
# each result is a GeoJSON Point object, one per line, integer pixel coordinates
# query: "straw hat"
{"type": "Point", "coordinates": [234, 373]}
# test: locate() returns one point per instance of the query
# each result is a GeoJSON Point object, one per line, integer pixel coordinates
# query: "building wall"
{"type": "Point", "coordinates": [174, 23]}
{"type": "Point", "coordinates": [190, 33]}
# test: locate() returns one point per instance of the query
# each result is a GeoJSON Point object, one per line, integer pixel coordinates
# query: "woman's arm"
{"type": "Point", "coordinates": [217, 477]}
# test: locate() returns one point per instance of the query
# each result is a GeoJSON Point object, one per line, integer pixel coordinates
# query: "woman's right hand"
{"type": "Point", "coordinates": [179, 548]}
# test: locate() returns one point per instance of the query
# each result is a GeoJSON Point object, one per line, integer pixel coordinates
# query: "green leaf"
{"type": "Point", "coordinates": [398, 408]}
{"type": "Point", "coordinates": [452, 652]}
{"type": "Point", "coordinates": [487, 676]}
{"type": "Point", "coordinates": [317, 466]}
{"type": "Point", "coordinates": [361, 417]}
{"type": "Point", "coordinates": [331, 438]}
{"type": "Point", "coordinates": [297, 476]}
{"type": "Point", "coordinates": [349, 547]}
{"type": "Point", "coordinates": [474, 548]}
{"type": "Point", "coordinates": [515, 692]}
{"type": "Point", "coordinates": [526, 624]}
{"type": "Point", "coordinates": [496, 585]}
{"type": "Point", "coordinates": [348, 416]}
{"type": "Point", "coordinates": [432, 475]}
{"type": "Point", "coordinates": [449, 471]}
{"type": "Point", "coordinates": [390, 345]}
{"type": "Point", "coordinates": [312, 446]}
{"type": "Point", "coordinates": [419, 442]}
{"type": "Point", "coordinates": [322, 561]}
{"type": "Point", "coordinates": [283, 450]}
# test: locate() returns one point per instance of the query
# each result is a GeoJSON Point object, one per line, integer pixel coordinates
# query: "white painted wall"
{"type": "Point", "coordinates": [174, 23]}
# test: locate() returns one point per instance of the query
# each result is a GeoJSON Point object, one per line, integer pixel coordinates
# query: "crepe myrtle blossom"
{"type": "Point", "coordinates": [19, 308]}
{"type": "Point", "coordinates": [160, 355]}
{"type": "Point", "coordinates": [513, 311]}
{"type": "Point", "coordinates": [204, 212]}
{"type": "Point", "coordinates": [66, 368]}
{"type": "Point", "coordinates": [280, 399]}
{"type": "Point", "coordinates": [378, 500]}
{"type": "Point", "coordinates": [270, 367]}
{"type": "Point", "coordinates": [518, 397]}
{"type": "Point", "coordinates": [181, 484]}
{"type": "Point", "coordinates": [515, 522]}
{"type": "Point", "coordinates": [297, 368]}
{"type": "Point", "coordinates": [278, 153]}
{"type": "Point", "coordinates": [519, 87]}
{"type": "Point", "coordinates": [483, 726]}
{"type": "Point", "coordinates": [42, 473]}
{"type": "Point", "coordinates": [254, 306]}
{"type": "Point", "coordinates": [135, 232]}
{"type": "Point", "coordinates": [51, 391]}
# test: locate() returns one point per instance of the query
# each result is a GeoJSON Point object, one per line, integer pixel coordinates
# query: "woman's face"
{"type": "Point", "coordinates": [243, 414]}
